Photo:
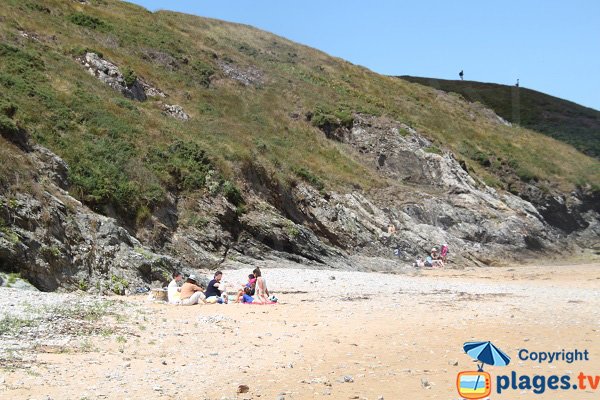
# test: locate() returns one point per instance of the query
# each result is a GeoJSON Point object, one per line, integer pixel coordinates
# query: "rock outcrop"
{"type": "Point", "coordinates": [247, 76]}
{"type": "Point", "coordinates": [175, 111]}
{"type": "Point", "coordinates": [111, 75]}
{"type": "Point", "coordinates": [55, 242]}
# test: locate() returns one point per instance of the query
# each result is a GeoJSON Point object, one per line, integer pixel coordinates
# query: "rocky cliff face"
{"type": "Point", "coordinates": [56, 242]}
{"type": "Point", "coordinates": [233, 174]}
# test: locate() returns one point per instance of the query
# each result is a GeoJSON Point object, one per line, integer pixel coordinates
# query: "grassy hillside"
{"type": "Point", "coordinates": [558, 118]}
{"type": "Point", "coordinates": [125, 155]}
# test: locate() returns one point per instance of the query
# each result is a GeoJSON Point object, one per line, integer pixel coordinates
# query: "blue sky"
{"type": "Point", "coordinates": [551, 46]}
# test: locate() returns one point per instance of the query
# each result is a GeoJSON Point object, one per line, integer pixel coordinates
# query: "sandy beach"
{"type": "Point", "coordinates": [333, 335]}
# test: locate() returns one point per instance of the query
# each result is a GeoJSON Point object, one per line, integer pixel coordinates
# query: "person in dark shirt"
{"type": "Point", "coordinates": [214, 288]}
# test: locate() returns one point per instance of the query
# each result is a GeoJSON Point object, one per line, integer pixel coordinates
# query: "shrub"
{"type": "Point", "coordinates": [526, 175]}
{"type": "Point", "coordinates": [203, 72]}
{"type": "Point", "coordinates": [129, 77]}
{"type": "Point", "coordinates": [481, 158]}
{"type": "Point", "coordinates": [118, 284]}
{"type": "Point", "coordinates": [324, 121]}
{"type": "Point", "coordinates": [37, 7]}
{"type": "Point", "coordinates": [83, 285]}
{"type": "Point", "coordinates": [81, 51]}
{"type": "Point", "coordinates": [8, 109]}
{"type": "Point", "coordinates": [102, 174]}
{"type": "Point", "coordinates": [143, 213]}
{"type": "Point", "coordinates": [248, 50]}
{"type": "Point", "coordinates": [433, 149]}
{"type": "Point", "coordinates": [345, 117]}
{"type": "Point", "coordinates": [232, 194]}
{"type": "Point", "coordinates": [185, 163]}
{"type": "Point", "coordinates": [86, 21]}
{"type": "Point", "coordinates": [328, 120]}
{"type": "Point", "coordinates": [124, 103]}
{"type": "Point", "coordinates": [311, 178]}
{"type": "Point", "coordinates": [19, 62]}
{"type": "Point", "coordinates": [8, 126]}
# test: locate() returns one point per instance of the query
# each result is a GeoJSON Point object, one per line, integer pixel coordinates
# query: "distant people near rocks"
{"type": "Point", "coordinates": [215, 292]}
{"type": "Point", "coordinates": [461, 74]}
{"type": "Point", "coordinates": [391, 229]}
{"type": "Point", "coordinates": [173, 289]}
{"type": "Point", "coordinates": [191, 293]}
{"type": "Point", "coordinates": [261, 293]}
{"type": "Point", "coordinates": [428, 262]}
{"type": "Point", "coordinates": [444, 253]}
{"type": "Point", "coordinates": [251, 284]}
{"type": "Point", "coordinates": [436, 258]}
{"type": "Point", "coordinates": [419, 262]}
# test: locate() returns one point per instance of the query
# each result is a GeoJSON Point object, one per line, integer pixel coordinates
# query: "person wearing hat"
{"type": "Point", "coordinates": [191, 293]}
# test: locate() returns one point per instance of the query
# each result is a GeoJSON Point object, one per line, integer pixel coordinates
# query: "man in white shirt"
{"type": "Point", "coordinates": [173, 288]}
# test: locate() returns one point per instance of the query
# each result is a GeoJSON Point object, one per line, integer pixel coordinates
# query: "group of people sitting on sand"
{"type": "Point", "coordinates": [254, 291]}
{"type": "Point", "coordinates": [436, 259]}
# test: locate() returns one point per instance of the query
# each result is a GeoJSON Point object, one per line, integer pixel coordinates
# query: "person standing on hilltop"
{"type": "Point", "coordinates": [461, 74]}
{"type": "Point", "coordinates": [517, 84]}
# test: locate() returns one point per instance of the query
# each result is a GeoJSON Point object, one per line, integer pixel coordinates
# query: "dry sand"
{"type": "Point", "coordinates": [391, 336]}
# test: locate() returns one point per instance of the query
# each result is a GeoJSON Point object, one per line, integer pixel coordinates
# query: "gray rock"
{"type": "Point", "coordinates": [56, 242]}
{"type": "Point", "coordinates": [110, 74]}
{"type": "Point", "coordinates": [52, 166]}
{"type": "Point", "coordinates": [246, 75]}
{"type": "Point", "coordinates": [15, 282]}
{"type": "Point", "coordinates": [175, 111]}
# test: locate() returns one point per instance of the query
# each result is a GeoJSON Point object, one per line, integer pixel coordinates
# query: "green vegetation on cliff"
{"type": "Point", "coordinates": [558, 118]}
{"type": "Point", "coordinates": [247, 92]}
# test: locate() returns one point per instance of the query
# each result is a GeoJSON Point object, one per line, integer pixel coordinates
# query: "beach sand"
{"type": "Point", "coordinates": [333, 335]}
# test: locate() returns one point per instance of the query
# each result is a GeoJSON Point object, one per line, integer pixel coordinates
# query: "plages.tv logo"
{"type": "Point", "coordinates": [478, 384]}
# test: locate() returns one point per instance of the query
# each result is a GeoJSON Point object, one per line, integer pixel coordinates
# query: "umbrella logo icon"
{"type": "Point", "coordinates": [478, 384]}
